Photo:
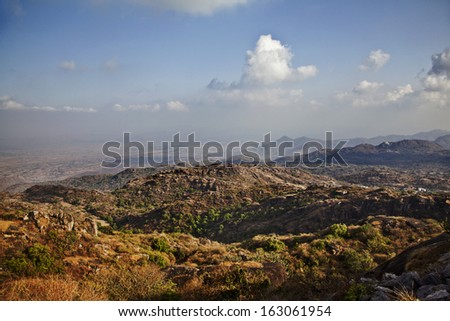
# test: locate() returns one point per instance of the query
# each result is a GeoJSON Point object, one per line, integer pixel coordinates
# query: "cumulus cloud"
{"type": "Point", "coordinates": [138, 107]}
{"type": "Point", "coordinates": [267, 80]}
{"type": "Point", "coordinates": [68, 65]}
{"type": "Point", "coordinates": [270, 63]}
{"type": "Point", "coordinates": [366, 86]}
{"type": "Point", "coordinates": [193, 7]}
{"type": "Point", "coordinates": [7, 103]}
{"type": "Point", "coordinates": [377, 59]}
{"type": "Point", "coordinates": [111, 64]}
{"type": "Point", "coordinates": [79, 109]}
{"type": "Point", "coordinates": [371, 94]}
{"type": "Point", "coordinates": [173, 105]}
{"type": "Point", "coordinates": [176, 105]}
{"type": "Point", "coordinates": [399, 93]}
{"type": "Point", "coordinates": [255, 97]}
{"type": "Point", "coordinates": [437, 81]}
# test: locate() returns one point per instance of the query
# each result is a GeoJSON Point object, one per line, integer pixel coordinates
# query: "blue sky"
{"type": "Point", "coordinates": [91, 69]}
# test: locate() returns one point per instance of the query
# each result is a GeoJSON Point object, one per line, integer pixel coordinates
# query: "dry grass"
{"type": "Point", "coordinates": [136, 283]}
{"type": "Point", "coordinates": [52, 288]}
{"type": "Point", "coordinates": [404, 294]}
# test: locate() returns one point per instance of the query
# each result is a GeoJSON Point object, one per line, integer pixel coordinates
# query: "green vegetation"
{"type": "Point", "coordinates": [339, 230]}
{"type": "Point", "coordinates": [34, 260]}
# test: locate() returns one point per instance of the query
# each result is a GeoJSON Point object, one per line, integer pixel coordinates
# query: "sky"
{"type": "Point", "coordinates": [89, 70]}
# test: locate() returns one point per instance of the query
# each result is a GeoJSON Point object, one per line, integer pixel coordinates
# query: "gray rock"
{"type": "Point", "coordinates": [408, 280]}
{"type": "Point", "coordinates": [426, 290]}
{"type": "Point", "coordinates": [440, 295]}
{"type": "Point", "coordinates": [379, 296]}
{"type": "Point", "coordinates": [446, 272]}
{"type": "Point", "coordinates": [445, 257]}
{"type": "Point", "coordinates": [433, 278]}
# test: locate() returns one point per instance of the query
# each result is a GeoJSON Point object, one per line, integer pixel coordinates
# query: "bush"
{"type": "Point", "coordinates": [339, 230]}
{"type": "Point", "coordinates": [357, 292]}
{"type": "Point", "coordinates": [136, 283]}
{"type": "Point", "coordinates": [274, 245]}
{"type": "Point", "coordinates": [358, 261]}
{"type": "Point", "coordinates": [35, 260]}
{"type": "Point", "coordinates": [159, 259]}
{"type": "Point", "coordinates": [160, 244]}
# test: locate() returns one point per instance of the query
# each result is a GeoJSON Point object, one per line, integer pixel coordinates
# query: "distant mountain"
{"type": "Point", "coordinates": [351, 142]}
{"type": "Point", "coordinates": [431, 136]}
{"type": "Point", "coordinates": [412, 152]}
{"type": "Point", "coordinates": [443, 141]}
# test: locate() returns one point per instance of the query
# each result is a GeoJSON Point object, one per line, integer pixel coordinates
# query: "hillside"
{"type": "Point", "coordinates": [217, 232]}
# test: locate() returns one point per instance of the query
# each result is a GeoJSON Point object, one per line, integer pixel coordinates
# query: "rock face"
{"type": "Point", "coordinates": [62, 221]}
{"type": "Point", "coordinates": [423, 271]}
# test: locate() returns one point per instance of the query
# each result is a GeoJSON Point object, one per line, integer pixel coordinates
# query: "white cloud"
{"type": "Point", "coordinates": [193, 7]}
{"type": "Point", "coordinates": [366, 86]}
{"type": "Point", "coordinates": [377, 59]}
{"type": "Point", "coordinates": [176, 105]}
{"type": "Point", "coordinates": [138, 107]}
{"type": "Point", "coordinates": [399, 93]}
{"type": "Point", "coordinates": [111, 64]}
{"type": "Point", "coordinates": [270, 63]}
{"type": "Point", "coordinates": [255, 97]}
{"type": "Point", "coordinates": [373, 94]}
{"type": "Point", "coordinates": [68, 65]}
{"type": "Point", "coordinates": [79, 109]}
{"type": "Point", "coordinates": [436, 83]}
{"type": "Point", "coordinates": [307, 71]}
{"type": "Point", "coordinates": [7, 103]}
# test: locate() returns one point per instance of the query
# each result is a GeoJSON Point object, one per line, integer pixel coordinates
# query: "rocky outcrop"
{"type": "Point", "coordinates": [62, 221]}
{"type": "Point", "coordinates": [422, 271]}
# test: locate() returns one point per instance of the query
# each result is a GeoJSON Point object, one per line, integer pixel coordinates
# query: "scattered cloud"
{"type": "Point", "coordinates": [371, 94]}
{"type": "Point", "coordinates": [256, 97]}
{"type": "Point", "coordinates": [192, 7]}
{"type": "Point", "coordinates": [270, 63]}
{"type": "Point", "coordinates": [436, 83]}
{"type": "Point", "coordinates": [68, 65]}
{"type": "Point", "coordinates": [173, 105]}
{"type": "Point", "coordinates": [399, 93]}
{"type": "Point", "coordinates": [79, 109]}
{"type": "Point", "coordinates": [267, 79]}
{"type": "Point", "coordinates": [7, 103]}
{"type": "Point", "coordinates": [176, 105]}
{"type": "Point", "coordinates": [367, 86]}
{"type": "Point", "coordinates": [138, 107]}
{"type": "Point", "coordinates": [377, 59]}
{"type": "Point", "coordinates": [111, 64]}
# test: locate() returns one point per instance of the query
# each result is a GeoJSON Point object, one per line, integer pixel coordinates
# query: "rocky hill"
{"type": "Point", "coordinates": [217, 232]}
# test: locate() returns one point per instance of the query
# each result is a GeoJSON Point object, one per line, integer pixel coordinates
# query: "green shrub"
{"type": "Point", "coordinates": [357, 292]}
{"type": "Point", "coordinates": [274, 245]}
{"type": "Point", "coordinates": [159, 259]}
{"type": "Point", "coordinates": [160, 244]}
{"type": "Point", "coordinates": [35, 260]}
{"type": "Point", "coordinates": [339, 230]}
{"type": "Point", "coordinates": [358, 261]}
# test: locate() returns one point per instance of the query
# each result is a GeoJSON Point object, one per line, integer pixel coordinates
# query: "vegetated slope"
{"type": "Point", "coordinates": [296, 236]}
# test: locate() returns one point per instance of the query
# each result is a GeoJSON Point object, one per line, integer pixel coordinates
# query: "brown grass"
{"type": "Point", "coordinates": [51, 288]}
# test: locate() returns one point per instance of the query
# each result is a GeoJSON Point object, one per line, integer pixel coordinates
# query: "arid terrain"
{"type": "Point", "coordinates": [231, 232]}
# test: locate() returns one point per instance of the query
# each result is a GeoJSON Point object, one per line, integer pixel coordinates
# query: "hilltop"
{"type": "Point", "coordinates": [217, 232]}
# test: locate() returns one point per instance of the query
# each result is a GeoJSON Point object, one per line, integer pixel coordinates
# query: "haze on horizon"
{"type": "Point", "coordinates": [88, 70]}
